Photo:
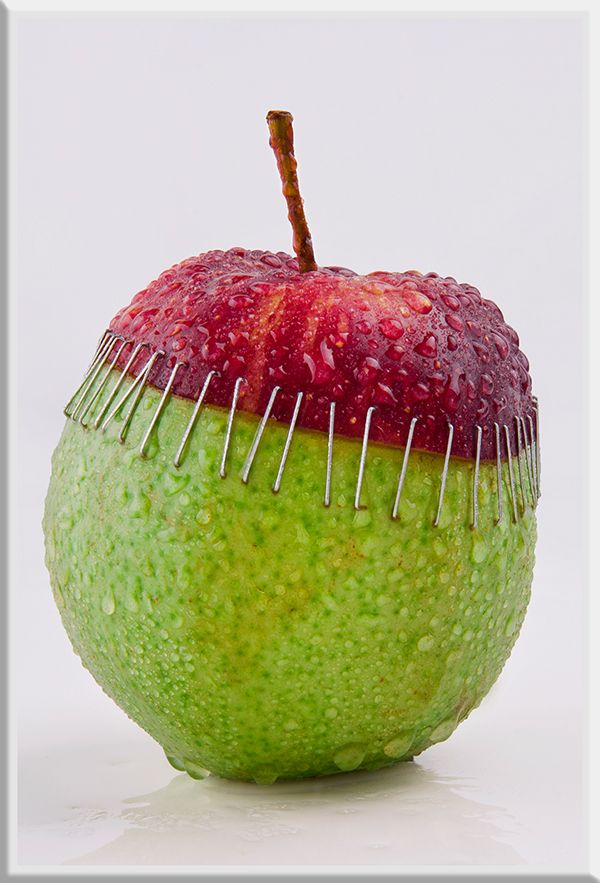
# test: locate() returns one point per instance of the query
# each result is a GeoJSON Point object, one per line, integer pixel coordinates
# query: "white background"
{"type": "Point", "coordinates": [452, 144]}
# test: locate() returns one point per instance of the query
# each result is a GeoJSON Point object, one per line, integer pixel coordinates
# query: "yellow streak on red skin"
{"type": "Point", "coordinates": [270, 311]}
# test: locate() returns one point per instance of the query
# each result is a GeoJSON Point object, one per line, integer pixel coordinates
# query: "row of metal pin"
{"type": "Point", "coordinates": [527, 454]}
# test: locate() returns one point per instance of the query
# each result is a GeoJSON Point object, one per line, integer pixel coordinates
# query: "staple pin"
{"type": "Point", "coordinates": [192, 421]}
{"type": "Point", "coordinates": [87, 377]}
{"type": "Point", "coordinates": [143, 378]}
{"type": "Point", "coordinates": [89, 385]}
{"type": "Point", "coordinates": [534, 457]}
{"type": "Point", "coordinates": [258, 435]}
{"type": "Point", "coordinates": [327, 498]}
{"type": "Point", "coordinates": [119, 382]}
{"type": "Point", "coordinates": [444, 475]}
{"type": "Point", "coordinates": [128, 392]}
{"type": "Point", "coordinates": [160, 408]}
{"type": "Point", "coordinates": [499, 475]}
{"type": "Point", "coordinates": [513, 492]}
{"type": "Point", "coordinates": [396, 505]}
{"type": "Point", "coordinates": [100, 390]}
{"type": "Point", "coordinates": [479, 432]}
{"type": "Point", "coordinates": [528, 466]}
{"type": "Point", "coordinates": [520, 463]}
{"type": "Point", "coordinates": [288, 442]}
{"type": "Point", "coordinates": [538, 463]}
{"type": "Point", "coordinates": [236, 393]}
{"type": "Point", "coordinates": [363, 456]}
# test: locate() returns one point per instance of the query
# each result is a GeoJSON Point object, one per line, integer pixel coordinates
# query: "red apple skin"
{"type": "Point", "coordinates": [411, 345]}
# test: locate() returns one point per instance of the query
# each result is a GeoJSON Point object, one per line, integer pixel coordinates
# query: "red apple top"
{"type": "Point", "coordinates": [409, 344]}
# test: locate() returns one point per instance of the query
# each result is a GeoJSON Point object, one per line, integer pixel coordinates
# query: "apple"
{"type": "Point", "coordinates": [290, 526]}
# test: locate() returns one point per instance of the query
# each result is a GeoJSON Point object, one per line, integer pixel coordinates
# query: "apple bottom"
{"type": "Point", "coordinates": [260, 635]}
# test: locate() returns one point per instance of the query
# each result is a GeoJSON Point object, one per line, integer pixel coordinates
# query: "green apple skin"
{"type": "Point", "coordinates": [260, 635]}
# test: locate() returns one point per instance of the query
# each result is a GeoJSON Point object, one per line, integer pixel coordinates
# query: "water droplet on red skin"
{"type": "Point", "coordinates": [451, 302]}
{"type": "Point", "coordinates": [454, 322]}
{"type": "Point", "coordinates": [395, 352]}
{"type": "Point", "coordinates": [383, 395]}
{"type": "Point", "coordinates": [427, 347]}
{"type": "Point", "coordinates": [391, 328]}
{"type": "Point", "coordinates": [501, 345]}
{"type": "Point", "coordinates": [487, 385]}
{"type": "Point", "coordinates": [417, 301]}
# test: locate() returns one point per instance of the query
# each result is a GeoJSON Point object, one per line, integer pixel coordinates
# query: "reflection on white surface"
{"type": "Point", "coordinates": [394, 816]}
{"type": "Point", "coordinates": [85, 807]}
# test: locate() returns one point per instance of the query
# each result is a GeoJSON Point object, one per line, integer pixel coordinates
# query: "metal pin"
{"type": "Point", "coordinates": [192, 420]}
{"type": "Point", "coordinates": [538, 462]}
{"type": "Point", "coordinates": [327, 498]}
{"type": "Point", "coordinates": [142, 383]}
{"type": "Point", "coordinates": [93, 365]}
{"type": "Point", "coordinates": [118, 384]}
{"type": "Point", "coordinates": [476, 477]}
{"type": "Point", "coordinates": [513, 492]}
{"type": "Point", "coordinates": [288, 442]}
{"type": "Point", "coordinates": [528, 460]}
{"type": "Point", "coordinates": [411, 430]}
{"type": "Point", "coordinates": [499, 475]}
{"type": "Point", "coordinates": [92, 380]}
{"type": "Point", "coordinates": [100, 389]}
{"type": "Point", "coordinates": [128, 392]}
{"type": "Point", "coordinates": [534, 457]}
{"type": "Point", "coordinates": [160, 408]}
{"type": "Point", "coordinates": [99, 347]}
{"type": "Point", "coordinates": [444, 474]}
{"type": "Point", "coordinates": [258, 435]}
{"type": "Point", "coordinates": [520, 462]}
{"type": "Point", "coordinates": [236, 393]}
{"type": "Point", "coordinates": [363, 456]}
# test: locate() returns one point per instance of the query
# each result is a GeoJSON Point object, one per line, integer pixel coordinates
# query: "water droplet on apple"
{"type": "Point", "coordinates": [451, 302]}
{"type": "Point", "coordinates": [487, 385]}
{"type": "Point", "coordinates": [419, 302]}
{"type": "Point", "coordinates": [425, 643]}
{"type": "Point", "coordinates": [420, 391]}
{"type": "Point", "coordinates": [501, 345]}
{"type": "Point", "coordinates": [394, 352]}
{"type": "Point", "coordinates": [443, 730]}
{"type": "Point", "coordinates": [399, 745]}
{"type": "Point", "coordinates": [195, 771]}
{"type": "Point", "coordinates": [265, 778]}
{"type": "Point", "coordinates": [271, 260]}
{"type": "Point", "coordinates": [350, 756]}
{"type": "Point", "coordinates": [383, 395]}
{"type": "Point", "coordinates": [176, 762]}
{"type": "Point", "coordinates": [391, 328]}
{"type": "Point", "coordinates": [479, 551]}
{"type": "Point", "coordinates": [109, 604]}
{"type": "Point", "coordinates": [326, 354]}
{"type": "Point", "coordinates": [427, 347]}
{"type": "Point", "coordinates": [481, 351]}
{"type": "Point", "coordinates": [455, 322]}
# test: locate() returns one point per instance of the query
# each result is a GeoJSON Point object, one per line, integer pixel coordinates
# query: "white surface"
{"type": "Point", "coordinates": [436, 143]}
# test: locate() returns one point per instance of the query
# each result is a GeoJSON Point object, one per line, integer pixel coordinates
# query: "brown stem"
{"type": "Point", "coordinates": [282, 142]}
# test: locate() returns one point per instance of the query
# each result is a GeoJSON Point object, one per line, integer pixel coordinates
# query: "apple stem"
{"type": "Point", "coordinates": [282, 142]}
